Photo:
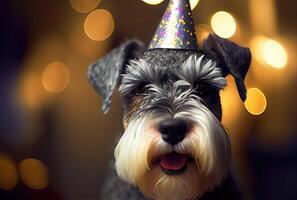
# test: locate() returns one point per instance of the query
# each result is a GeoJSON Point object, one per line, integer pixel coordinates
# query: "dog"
{"type": "Point", "coordinates": [174, 146]}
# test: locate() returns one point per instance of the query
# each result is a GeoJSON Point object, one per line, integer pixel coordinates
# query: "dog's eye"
{"type": "Point", "coordinates": [141, 89]}
{"type": "Point", "coordinates": [203, 90]}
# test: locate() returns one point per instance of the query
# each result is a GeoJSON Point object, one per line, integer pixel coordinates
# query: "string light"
{"type": "Point", "coordinates": [256, 101]}
{"type": "Point", "coordinates": [55, 77]}
{"type": "Point", "coordinates": [223, 24]}
{"type": "Point", "coordinates": [99, 25]}
{"type": "Point", "coordinates": [84, 6]}
{"type": "Point", "coordinates": [34, 173]}
{"type": "Point", "coordinates": [8, 173]}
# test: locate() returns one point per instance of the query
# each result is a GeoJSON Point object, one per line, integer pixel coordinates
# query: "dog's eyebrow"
{"type": "Point", "coordinates": [200, 69]}
{"type": "Point", "coordinates": [138, 72]}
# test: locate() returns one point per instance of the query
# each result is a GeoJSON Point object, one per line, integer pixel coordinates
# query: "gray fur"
{"type": "Point", "coordinates": [192, 70]}
{"type": "Point", "coordinates": [165, 79]}
{"type": "Point", "coordinates": [104, 74]}
{"type": "Point", "coordinates": [166, 68]}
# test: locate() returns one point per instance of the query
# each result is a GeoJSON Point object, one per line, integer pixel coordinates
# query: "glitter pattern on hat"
{"type": "Point", "coordinates": [176, 29]}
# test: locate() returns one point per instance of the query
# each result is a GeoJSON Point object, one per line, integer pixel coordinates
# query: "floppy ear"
{"type": "Point", "coordinates": [106, 72]}
{"type": "Point", "coordinates": [233, 59]}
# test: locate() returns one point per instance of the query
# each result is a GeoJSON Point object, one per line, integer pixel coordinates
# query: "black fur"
{"type": "Point", "coordinates": [233, 59]}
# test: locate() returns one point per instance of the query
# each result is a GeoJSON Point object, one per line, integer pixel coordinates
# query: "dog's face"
{"type": "Point", "coordinates": [174, 140]}
{"type": "Point", "coordinates": [174, 146]}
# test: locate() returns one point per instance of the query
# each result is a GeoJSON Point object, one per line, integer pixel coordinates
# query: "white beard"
{"type": "Point", "coordinates": [207, 142]}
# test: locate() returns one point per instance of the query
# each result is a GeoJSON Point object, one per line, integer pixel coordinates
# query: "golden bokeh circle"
{"type": "Point", "coordinates": [223, 24]}
{"type": "Point", "coordinates": [153, 2]}
{"type": "Point", "coordinates": [34, 173]}
{"type": "Point", "coordinates": [8, 173]}
{"type": "Point", "coordinates": [55, 77]}
{"type": "Point", "coordinates": [274, 54]}
{"type": "Point", "coordinates": [84, 6]}
{"type": "Point", "coordinates": [256, 101]}
{"type": "Point", "coordinates": [269, 52]}
{"type": "Point", "coordinates": [99, 25]}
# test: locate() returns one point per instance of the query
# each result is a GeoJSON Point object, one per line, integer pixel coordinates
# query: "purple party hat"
{"type": "Point", "coordinates": [176, 29]}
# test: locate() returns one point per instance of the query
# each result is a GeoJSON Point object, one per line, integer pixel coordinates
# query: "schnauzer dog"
{"type": "Point", "coordinates": [174, 146]}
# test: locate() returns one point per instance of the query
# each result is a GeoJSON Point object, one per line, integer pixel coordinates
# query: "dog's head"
{"type": "Point", "coordinates": [174, 146]}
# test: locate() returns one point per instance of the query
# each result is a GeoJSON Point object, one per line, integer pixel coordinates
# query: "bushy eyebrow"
{"type": "Point", "coordinates": [193, 69]}
{"type": "Point", "coordinates": [200, 69]}
{"type": "Point", "coordinates": [139, 72]}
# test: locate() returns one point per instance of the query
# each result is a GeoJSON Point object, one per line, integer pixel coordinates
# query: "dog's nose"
{"type": "Point", "coordinates": [173, 130]}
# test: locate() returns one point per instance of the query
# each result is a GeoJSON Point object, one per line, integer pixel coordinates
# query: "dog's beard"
{"type": "Point", "coordinates": [207, 143]}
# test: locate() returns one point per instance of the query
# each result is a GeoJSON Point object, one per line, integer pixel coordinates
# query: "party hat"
{"type": "Point", "coordinates": [176, 29]}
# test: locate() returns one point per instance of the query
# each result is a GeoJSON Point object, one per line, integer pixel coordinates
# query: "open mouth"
{"type": "Point", "coordinates": [174, 163]}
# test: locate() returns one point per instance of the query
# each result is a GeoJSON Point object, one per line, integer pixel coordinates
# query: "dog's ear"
{"type": "Point", "coordinates": [233, 59]}
{"type": "Point", "coordinates": [106, 72]}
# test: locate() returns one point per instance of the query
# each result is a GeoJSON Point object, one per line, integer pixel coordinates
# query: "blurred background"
{"type": "Point", "coordinates": [55, 142]}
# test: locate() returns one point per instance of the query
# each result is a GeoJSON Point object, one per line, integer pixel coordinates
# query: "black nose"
{"type": "Point", "coordinates": [173, 130]}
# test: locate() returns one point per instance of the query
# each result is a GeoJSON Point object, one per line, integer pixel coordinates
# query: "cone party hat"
{"type": "Point", "coordinates": [176, 29]}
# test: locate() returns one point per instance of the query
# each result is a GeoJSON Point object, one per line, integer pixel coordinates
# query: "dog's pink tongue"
{"type": "Point", "coordinates": [173, 161]}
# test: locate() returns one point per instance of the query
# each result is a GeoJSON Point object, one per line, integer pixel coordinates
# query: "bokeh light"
{"type": "Point", "coordinates": [55, 77]}
{"type": "Point", "coordinates": [223, 24]}
{"type": "Point", "coordinates": [31, 90]}
{"type": "Point", "coordinates": [274, 54]}
{"type": "Point", "coordinates": [8, 173]}
{"type": "Point", "coordinates": [153, 2]}
{"type": "Point", "coordinates": [193, 3]}
{"type": "Point", "coordinates": [99, 25]}
{"type": "Point", "coordinates": [34, 173]}
{"type": "Point", "coordinates": [256, 101]}
{"type": "Point", "coordinates": [84, 6]}
{"type": "Point", "coordinates": [269, 52]}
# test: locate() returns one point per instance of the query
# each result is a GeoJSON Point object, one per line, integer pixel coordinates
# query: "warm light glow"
{"type": "Point", "coordinates": [269, 52]}
{"type": "Point", "coordinates": [255, 102]}
{"type": "Point", "coordinates": [84, 6]}
{"type": "Point", "coordinates": [274, 54]}
{"type": "Point", "coordinates": [223, 24]}
{"type": "Point", "coordinates": [231, 102]}
{"type": "Point", "coordinates": [34, 173]}
{"type": "Point", "coordinates": [153, 2]}
{"type": "Point", "coordinates": [8, 173]}
{"type": "Point", "coordinates": [202, 32]}
{"type": "Point", "coordinates": [55, 77]}
{"type": "Point", "coordinates": [260, 21]}
{"type": "Point", "coordinates": [194, 3]}
{"type": "Point", "coordinates": [31, 90]}
{"type": "Point", "coordinates": [99, 25]}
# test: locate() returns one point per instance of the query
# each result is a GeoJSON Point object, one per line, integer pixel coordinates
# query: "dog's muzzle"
{"type": "Point", "coordinates": [173, 131]}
